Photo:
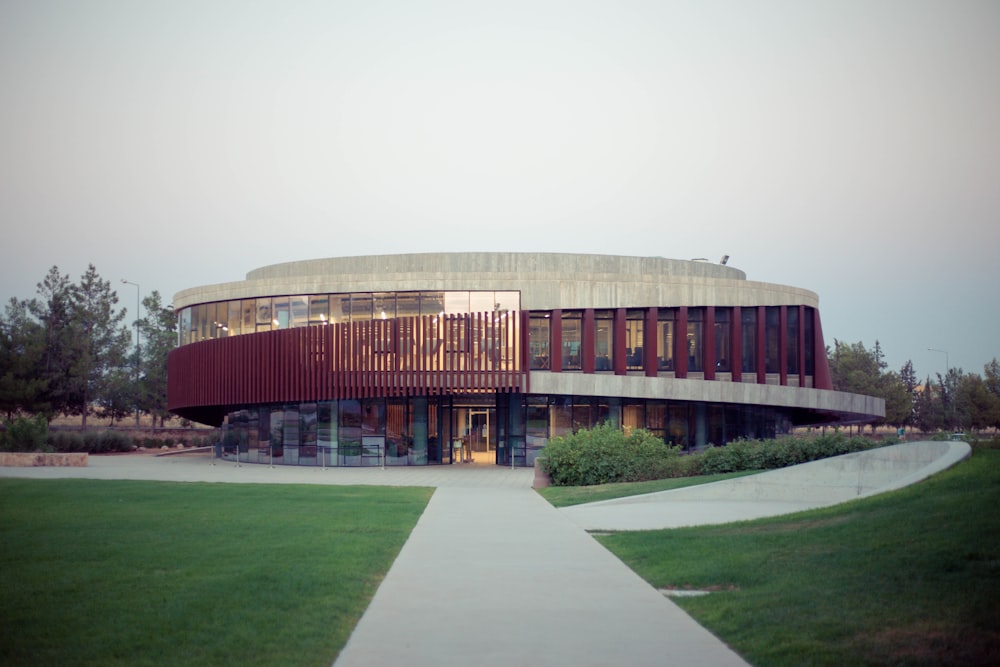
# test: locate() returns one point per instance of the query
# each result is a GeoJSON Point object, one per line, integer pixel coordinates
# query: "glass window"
{"type": "Point", "coordinates": [249, 307]}
{"type": "Point", "coordinates": [508, 301]}
{"type": "Point", "coordinates": [184, 327]}
{"type": "Point", "coordinates": [633, 415]}
{"type": "Point", "coordinates": [264, 314]}
{"type": "Point", "coordinates": [456, 302]}
{"type": "Point", "coordinates": [319, 309]}
{"type": "Point", "coordinates": [561, 416]}
{"type": "Point", "coordinates": [665, 339]}
{"type": "Point", "coordinates": [235, 317]}
{"type": "Point", "coordinates": [634, 323]}
{"type": "Point", "coordinates": [772, 319]}
{"type": "Point", "coordinates": [571, 331]}
{"type": "Point", "coordinates": [603, 349]}
{"type": "Point", "coordinates": [482, 302]}
{"type": "Point", "coordinates": [723, 330]}
{"type": "Point", "coordinates": [340, 308]}
{"type": "Point", "coordinates": [280, 313]}
{"type": "Point", "coordinates": [538, 337]}
{"type": "Point", "coordinates": [361, 307]}
{"type": "Point", "coordinates": [583, 413]}
{"type": "Point", "coordinates": [748, 339]}
{"type": "Point", "coordinates": [793, 339]}
{"type": "Point", "coordinates": [299, 306]}
{"type": "Point", "coordinates": [695, 340]}
{"type": "Point", "coordinates": [384, 305]}
{"type": "Point", "coordinates": [431, 303]}
{"type": "Point", "coordinates": [408, 304]}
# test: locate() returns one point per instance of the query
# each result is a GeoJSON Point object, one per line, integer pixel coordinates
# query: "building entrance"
{"type": "Point", "coordinates": [476, 426]}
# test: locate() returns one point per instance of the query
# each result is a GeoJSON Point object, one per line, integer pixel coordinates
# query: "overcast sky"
{"type": "Point", "coordinates": [848, 147]}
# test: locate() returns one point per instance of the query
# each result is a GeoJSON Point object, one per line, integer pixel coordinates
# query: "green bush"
{"type": "Point", "coordinates": [769, 454]}
{"type": "Point", "coordinates": [606, 454]}
{"type": "Point", "coordinates": [91, 442]}
{"type": "Point", "coordinates": [25, 434]}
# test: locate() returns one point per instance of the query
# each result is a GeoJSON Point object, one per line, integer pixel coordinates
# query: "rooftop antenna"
{"type": "Point", "coordinates": [725, 258]}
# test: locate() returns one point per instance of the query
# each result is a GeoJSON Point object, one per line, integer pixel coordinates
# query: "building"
{"type": "Point", "coordinates": [440, 358]}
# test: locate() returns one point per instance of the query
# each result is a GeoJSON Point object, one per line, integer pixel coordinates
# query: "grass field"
{"type": "Point", "coordinates": [564, 496]}
{"type": "Point", "coordinates": [145, 573]}
{"type": "Point", "coordinates": [910, 577]}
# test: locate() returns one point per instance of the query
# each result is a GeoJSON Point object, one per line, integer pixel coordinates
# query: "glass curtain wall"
{"type": "Point", "coordinates": [665, 339]}
{"type": "Point", "coordinates": [723, 331]}
{"type": "Point", "coordinates": [634, 323]}
{"type": "Point", "coordinates": [603, 348]}
{"type": "Point", "coordinates": [572, 328]}
{"type": "Point", "coordinates": [538, 341]}
{"type": "Point", "coordinates": [695, 345]}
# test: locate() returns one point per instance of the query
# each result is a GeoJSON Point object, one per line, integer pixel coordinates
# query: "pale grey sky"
{"type": "Point", "coordinates": [848, 147]}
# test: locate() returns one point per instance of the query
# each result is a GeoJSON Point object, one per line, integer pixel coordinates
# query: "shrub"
{"type": "Point", "coordinates": [66, 441]}
{"type": "Point", "coordinates": [605, 454]}
{"type": "Point", "coordinates": [25, 434]}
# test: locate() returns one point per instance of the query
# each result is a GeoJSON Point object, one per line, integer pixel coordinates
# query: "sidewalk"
{"type": "Point", "coordinates": [497, 576]}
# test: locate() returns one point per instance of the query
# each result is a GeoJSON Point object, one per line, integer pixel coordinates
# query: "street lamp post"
{"type": "Point", "coordinates": [138, 355]}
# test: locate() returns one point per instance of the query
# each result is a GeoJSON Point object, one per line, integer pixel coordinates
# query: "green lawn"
{"type": "Point", "coordinates": [145, 573]}
{"type": "Point", "coordinates": [909, 577]}
{"type": "Point", "coordinates": [563, 496]}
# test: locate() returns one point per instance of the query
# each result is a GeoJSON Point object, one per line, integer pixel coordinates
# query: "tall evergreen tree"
{"type": "Point", "coordinates": [101, 340]}
{"type": "Point", "coordinates": [22, 349]}
{"type": "Point", "coordinates": [54, 307]}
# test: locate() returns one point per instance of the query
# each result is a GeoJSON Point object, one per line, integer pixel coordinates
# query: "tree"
{"type": "Point", "coordinates": [976, 406]}
{"type": "Point", "coordinates": [926, 414]}
{"type": "Point", "coordinates": [22, 348]}
{"type": "Point", "coordinates": [54, 308]}
{"type": "Point", "coordinates": [898, 401]}
{"type": "Point", "coordinates": [101, 341]}
{"type": "Point", "coordinates": [159, 329]}
{"type": "Point", "coordinates": [909, 379]}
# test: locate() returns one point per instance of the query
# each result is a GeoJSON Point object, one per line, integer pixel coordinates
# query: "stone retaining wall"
{"type": "Point", "coordinates": [35, 459]}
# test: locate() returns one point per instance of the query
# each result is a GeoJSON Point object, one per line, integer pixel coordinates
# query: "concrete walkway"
{"type": "Point", "coordinates": [493, 575]}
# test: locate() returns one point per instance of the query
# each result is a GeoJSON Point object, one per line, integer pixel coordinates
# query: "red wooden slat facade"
{"type": "Point", "coordinates": [409, 356]}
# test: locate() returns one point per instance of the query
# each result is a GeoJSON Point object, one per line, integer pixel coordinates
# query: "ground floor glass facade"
{"type": "Point", "coordinates": [480, 428]}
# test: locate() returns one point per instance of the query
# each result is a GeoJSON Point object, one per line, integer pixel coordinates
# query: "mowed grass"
{"type": "Point", "coordinates": [563, 496]}
{"type": "Point", "coordinates": [910, 577]}
{"type": "Point", "coordinates": [147, 573]}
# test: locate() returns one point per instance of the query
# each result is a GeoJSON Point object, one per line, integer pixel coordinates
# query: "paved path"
{"type": "Point", "coordinates": [493, 575]}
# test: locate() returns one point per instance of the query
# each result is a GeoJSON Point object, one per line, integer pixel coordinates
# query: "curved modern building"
{"type": "Point", "coordinates": [440, 358]}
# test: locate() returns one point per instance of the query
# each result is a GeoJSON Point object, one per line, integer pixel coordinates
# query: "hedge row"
{"type": "Point", "coordinates": [31, 434]}
{"type": "Point", "coordinates": [604, 455]}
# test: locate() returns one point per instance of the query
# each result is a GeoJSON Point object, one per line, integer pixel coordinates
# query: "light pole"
{"type": "Point", "coordinates": [138, 355]}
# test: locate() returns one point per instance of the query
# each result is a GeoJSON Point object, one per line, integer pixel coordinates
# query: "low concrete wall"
{"type": "Point", "coordinates": [36, 459]}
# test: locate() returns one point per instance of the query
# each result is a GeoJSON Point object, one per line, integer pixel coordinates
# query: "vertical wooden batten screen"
{"type": "Point", "coordinates": [409, 356]}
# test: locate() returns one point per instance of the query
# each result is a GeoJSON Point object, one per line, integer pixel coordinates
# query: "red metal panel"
{"type": "Point", "coordinates": [587, 333]}
{"type": "Point", "coordinates": [761, 344]}
{"type": "Point", "coordinates": [555, 341]}
{"type": "Point", "coordinates": [618, 342]}
{"type": "Point", "coordinates": [708, 343]}
{"type": "Point", "coordinates": [680, 343]}
{"type": "Point", "coordinates": [650, 362]}
{"type": "Point", "coordinates": [736, 344]}
{"type": "Point", "coordinates": [783, 345]}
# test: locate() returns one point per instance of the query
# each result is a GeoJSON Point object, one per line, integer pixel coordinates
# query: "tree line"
{"type": "Point", "coordinates": [69, 351]}
{"type": "Point", "coordinates": [955, 401]}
